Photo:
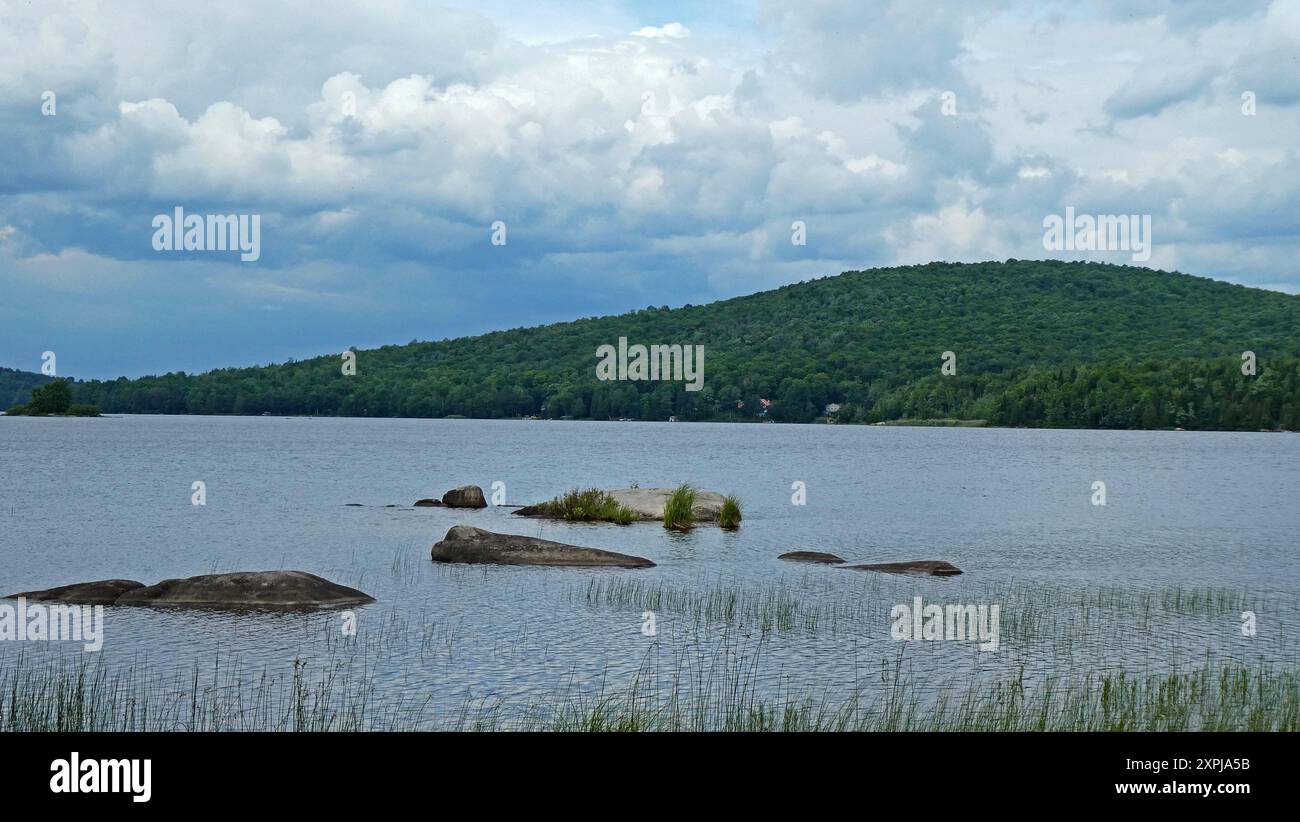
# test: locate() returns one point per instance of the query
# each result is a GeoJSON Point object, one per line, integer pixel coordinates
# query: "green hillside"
{"type": "Point", "coordinates": [16, 386]}
{"type": "Point", "coordinates": [1036, 343]}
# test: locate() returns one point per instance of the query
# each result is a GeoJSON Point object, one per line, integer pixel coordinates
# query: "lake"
{"type": "Point", "coordinates": [1197, 528]}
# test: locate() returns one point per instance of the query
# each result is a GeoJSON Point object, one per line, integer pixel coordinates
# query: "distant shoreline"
{"type": "Point", "coordinates": [899, 423]}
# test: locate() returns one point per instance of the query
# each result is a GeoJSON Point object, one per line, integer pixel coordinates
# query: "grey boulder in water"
{"type": "Point", "coordinates": [933, 567]}
{"type": "Point", "coordinates": [100, 592]}
{"type": "Point", "coordinates": [466, 496]}
{"type": "Point", "coordinates": [811, 556]}
{"type": "Point", "coordinates": [465, 543]}
{"type": "Point", "coordinates": [247, 588]}
{"type": "Point", "coordinates": [292, 589]}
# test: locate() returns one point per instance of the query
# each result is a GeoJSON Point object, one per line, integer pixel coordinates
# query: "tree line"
{"type": "Point", "coordinates": [1035, 342]}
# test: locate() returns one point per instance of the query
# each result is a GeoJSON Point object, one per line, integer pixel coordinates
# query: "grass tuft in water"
{"type": "Point", "coordinates": [679, 510]}
{"type": "Point", "coordinates": [729, 516]}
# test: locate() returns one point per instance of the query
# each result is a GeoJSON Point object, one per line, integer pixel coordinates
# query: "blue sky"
{"type": "Point", "coordinates": [638, 154]}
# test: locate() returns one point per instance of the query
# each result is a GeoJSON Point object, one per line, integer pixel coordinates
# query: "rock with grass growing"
{"type": "Point", "coordinates": [646, 503]}
{"type": "Point", "coordinates": [590, 505]}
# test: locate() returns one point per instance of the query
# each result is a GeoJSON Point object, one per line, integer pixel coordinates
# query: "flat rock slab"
{"type": "Point", "coordinates": [242, 589]}
{"type": "Point", "coordinates": [649, 503]}
{"type": "Point", "coordinates": [811, 556]}
{"type": "Point", "coordinates": [427, 503]}
{"type": "Point", "coordinates": [245, 588]}
{"type": "Point", "coordinates": [933, 567]}
{"type": "Point", "coordinates": [100, 592]}
{"type": "Point", "coordinates": [465, 543]}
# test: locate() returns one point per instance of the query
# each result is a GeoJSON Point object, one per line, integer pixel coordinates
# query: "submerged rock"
{"type": "Point", "coordinates": [649, 503]}
{"type": "Point", "coordinates": [100, 592]}
{"type": "Point", "coordinates": [933, 567]}
{"type": "Point", "coordinates": [465, 543]}
{"type": "Point", "coordinates": [427, 503]}
{"type": "Point", "coordinates": [811, 556]}
{"type": "Point", "coordinates": [467, 496]}
{"type": "Point", "coordinates": [296, 589]}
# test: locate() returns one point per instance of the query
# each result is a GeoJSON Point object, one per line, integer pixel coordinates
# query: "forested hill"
{"type": "Point", "coordinates": [1036, 343]}
{"type": "Point", "coordinates": [16, 386]}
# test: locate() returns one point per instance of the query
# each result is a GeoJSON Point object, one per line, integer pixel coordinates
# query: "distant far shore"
{"type": "Point", "coordinates": [899, 423]}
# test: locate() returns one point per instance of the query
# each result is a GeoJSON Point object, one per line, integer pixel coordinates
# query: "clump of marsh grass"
{"type": "Point", "coordinates": [591, 505]}
{"type": "Point", "coordinates": [679, 510]}
{"type": "Point", "coordinates": [729, 516]}
{"type": "Point", "coordinates": [1212, 697]}
{"type": "Point", "coordinates": [719, 693]}
{"type": "Point", "coordinates": [776, 607]}
{"type": "Point", "coordinates": [77, 695]}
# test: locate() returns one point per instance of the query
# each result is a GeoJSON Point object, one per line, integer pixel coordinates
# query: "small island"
{"type": "Point", "coordinates": [54, 399]}
{"type": "Point", "coordinates": [679, 509]}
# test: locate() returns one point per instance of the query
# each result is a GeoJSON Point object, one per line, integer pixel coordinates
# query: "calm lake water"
{"type": "Point", "coordinates": [1197, 528]}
